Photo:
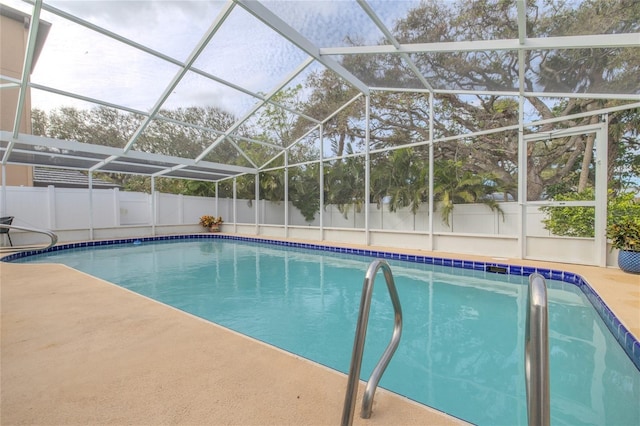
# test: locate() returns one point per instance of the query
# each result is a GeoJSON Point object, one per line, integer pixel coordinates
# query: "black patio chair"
{"type": "Point", "coordinates": [6, 221]}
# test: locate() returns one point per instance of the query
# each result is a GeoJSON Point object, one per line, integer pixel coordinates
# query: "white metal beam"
{"type": "Point", "coordinates": [277, 24]}
{"type": "Point", "coordinates": [583, 114]}
{"type": "Point", "coordinates": [3, 189]}
{"type": "Point", "coordinates": [321, 182]}
{"type": "Point", "coordinates": [432, 207]}
{"type": "Point", "coordinates": [169, 170]}
{"type": "Point", "coordinates": [336, 112]}
{"type": "Point", "coordinates": [16, 82]}
{"type": "Point", "coordinates": [522, 144]}
{"type": "Point", "coordinates": [367, 171]}
{"type": "Point", "coordinates": [255, 108]}
{"type": "Point", "coordinates": [9, 82]}
{"type": "Point", "coordinates": [561, 133]}
{"type": "Point", "coordinates": [301, 138]}
{"type": "Point", "coordinates": [241, 151]}
{"type": "Point", "coordinates": [214, 131]}
{"type": "Point", "coordinates": [87, 99]}
{"type": "Point", "coordinates": [108, 152]}
{"type": "Point", "coordinates": [602, 190]}
{"type": "Point", "coordinates": [514, 93]}
{"type": "Point", "coordinates": [382, 27]}
{"type": "Point", "coordinates": [522, 21]}
{"type": "Point", "coordinates": [621, 96]}
{"type": "Point", "coordinates": [598, 41]}
{"type": "Point", "coordinates": [202, 44]}
{"type": "Point", "coordinates": [26, 71]}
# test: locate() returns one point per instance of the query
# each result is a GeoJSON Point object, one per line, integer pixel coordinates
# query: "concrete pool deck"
{"type": "Point", "coordinates": [78, 350]}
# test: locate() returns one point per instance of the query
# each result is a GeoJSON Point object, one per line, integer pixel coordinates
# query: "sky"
{"type": "Point", "coordinates": [243, 51]}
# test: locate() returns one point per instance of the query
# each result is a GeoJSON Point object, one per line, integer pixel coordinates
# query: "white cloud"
{"type": "Point", "coordinates": [79, 60]}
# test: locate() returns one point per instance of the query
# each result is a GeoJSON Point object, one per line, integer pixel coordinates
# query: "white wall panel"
{"type": "Point", "coordinates": [134, 208]}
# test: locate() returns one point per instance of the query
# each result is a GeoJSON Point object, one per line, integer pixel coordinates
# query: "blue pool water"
{"type": "Point", "coordinates": [462, 345]}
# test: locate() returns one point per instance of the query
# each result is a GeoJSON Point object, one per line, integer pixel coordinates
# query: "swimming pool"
{"type": "Point", "coordinates": [461, 350]}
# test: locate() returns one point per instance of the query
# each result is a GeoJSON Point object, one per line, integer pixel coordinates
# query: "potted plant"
{"type": "Point", "coordinates": [212, 223]}
{"type": "Point", "coordinates": [625, 236]}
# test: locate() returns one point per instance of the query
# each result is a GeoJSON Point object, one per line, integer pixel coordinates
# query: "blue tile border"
{"type": "Point", "coordinates": [628, 342]}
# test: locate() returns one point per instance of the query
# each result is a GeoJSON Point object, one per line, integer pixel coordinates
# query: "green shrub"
{"type": "Point", "coordinates": [625, 234]}
{"type": "Point", "coordinates": [580, 221]}
{"type": "Point", "coordinates": [571, 221]}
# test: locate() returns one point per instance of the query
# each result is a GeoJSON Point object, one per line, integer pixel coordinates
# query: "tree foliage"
{"type": "Point", "coordinates": [401, 118]}
{"type": "Point", "coordinates": [571, 221]}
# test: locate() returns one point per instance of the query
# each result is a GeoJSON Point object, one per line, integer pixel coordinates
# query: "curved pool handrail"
{"type": "Point", "coordinates": [536, 353]}
{"type": "Point", "coordinates": [50, 234]}
{"type": "Point", "coordinates": [358, 345]}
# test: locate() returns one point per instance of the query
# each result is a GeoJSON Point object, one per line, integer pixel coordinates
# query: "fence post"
{"type": "Point", "coordinates": [51, 203]}
{"type": "Point", "coordinates": [116, 207]}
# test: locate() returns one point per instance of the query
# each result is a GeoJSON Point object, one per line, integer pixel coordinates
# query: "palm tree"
{"type": "Point", "coordinates": [344, 183]}
{"type": "Point", "coordinates": [403, 177]}
{"type": "Point", "coordinates": [455, 185]}
{"type": "Point", "coordinates": [410, 180]}
{"type": "Point", "coordinates": [304, 190]}
{"type": "Point", "coordinates": [272, 186]}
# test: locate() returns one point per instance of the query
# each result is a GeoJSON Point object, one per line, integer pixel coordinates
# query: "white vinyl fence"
{"type": "Point", "coordinates": [472, 228]}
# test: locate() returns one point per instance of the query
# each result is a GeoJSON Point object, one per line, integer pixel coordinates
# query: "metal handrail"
{"type": "Point", "coordinates": [358, 344]}
{"type": "Point", "coordinates": [50, 234]}
{"type": "Point", "coordinates": [536, 353]}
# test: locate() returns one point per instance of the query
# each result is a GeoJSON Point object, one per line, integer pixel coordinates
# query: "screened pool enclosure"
{"type": "Point", "coordinates": [490, 127]}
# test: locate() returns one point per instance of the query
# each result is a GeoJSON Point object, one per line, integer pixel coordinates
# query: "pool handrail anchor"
{"type": "Point", "coordinates": [358, 344]}
{"type": "Point", "coordinates": [53, 237]}
{"type": "Point", "coordinates": [536, 353]}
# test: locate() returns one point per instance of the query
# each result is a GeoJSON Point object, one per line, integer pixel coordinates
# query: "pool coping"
{"type": "Point", "coordinates": [623, 336]}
